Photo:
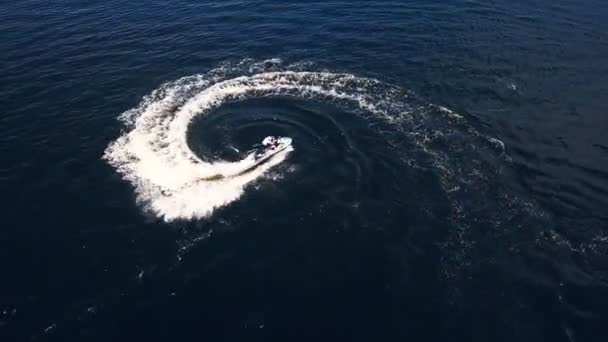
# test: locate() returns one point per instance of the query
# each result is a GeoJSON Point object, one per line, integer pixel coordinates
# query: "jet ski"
{"type": "Point", "coordinates": [270, 146]}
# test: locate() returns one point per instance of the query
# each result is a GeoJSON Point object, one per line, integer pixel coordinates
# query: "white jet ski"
{"type": "Point", "coordinates": [270, 146]}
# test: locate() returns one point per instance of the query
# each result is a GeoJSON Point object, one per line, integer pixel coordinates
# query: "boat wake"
{"type": "Point", "coordinates": [172, 181]}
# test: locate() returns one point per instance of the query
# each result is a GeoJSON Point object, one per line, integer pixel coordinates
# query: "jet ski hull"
{"type": "Point", "coordinates": [267, 153]}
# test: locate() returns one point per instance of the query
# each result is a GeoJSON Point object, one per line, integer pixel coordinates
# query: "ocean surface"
{"type": "Point", "coordinates": [447, 180]}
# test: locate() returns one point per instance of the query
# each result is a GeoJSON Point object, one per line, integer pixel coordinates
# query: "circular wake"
{"type": "Point", "coordinates": [173, 180]}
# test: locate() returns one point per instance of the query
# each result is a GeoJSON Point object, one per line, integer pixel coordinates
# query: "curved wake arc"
{"type": "Point", "coordinates": [169, 178]}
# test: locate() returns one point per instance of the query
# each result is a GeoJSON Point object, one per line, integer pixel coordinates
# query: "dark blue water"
{"type": "Point", "coordinates": [449, 178]}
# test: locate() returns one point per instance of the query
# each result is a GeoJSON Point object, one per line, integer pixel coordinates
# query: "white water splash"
{"type": "Point", "coordinates": [154, 156]}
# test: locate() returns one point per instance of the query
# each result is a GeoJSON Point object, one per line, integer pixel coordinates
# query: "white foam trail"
{"type": "Point", "coordinates": [168, 177]}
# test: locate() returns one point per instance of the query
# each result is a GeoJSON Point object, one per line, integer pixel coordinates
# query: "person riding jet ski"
{"type": "Point", "coordinates": [270, 142]}
{"type": "Point", "coordinates": [270, 145]}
